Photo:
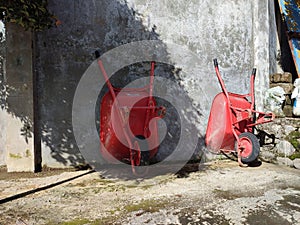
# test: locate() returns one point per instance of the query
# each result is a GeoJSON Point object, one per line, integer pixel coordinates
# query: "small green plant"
{"type": "Point", "coordinates": [27, 13]}
{"type": "Point", "coordinates": [293, 138]}
{"type": "Point", "coordinates": [296, 155]}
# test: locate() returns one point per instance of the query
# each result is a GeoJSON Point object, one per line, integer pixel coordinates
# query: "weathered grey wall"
{"type": "Point", "coordinates": [236, 32]}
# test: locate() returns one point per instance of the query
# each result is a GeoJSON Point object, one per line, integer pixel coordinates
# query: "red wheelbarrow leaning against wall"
{"type": "Point", "coordinates": [231, 123]}
{"type": "Point", "coordinates": [125, 129]}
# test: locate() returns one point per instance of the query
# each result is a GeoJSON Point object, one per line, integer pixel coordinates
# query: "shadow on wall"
{"type": "Point", "coordinates": [64, 53]}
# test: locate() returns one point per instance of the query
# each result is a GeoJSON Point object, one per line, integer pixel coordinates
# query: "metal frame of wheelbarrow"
{"type": "Point", "coordinates": [123, 116]}
{"type": "Point", "coordinates": [232, 120]}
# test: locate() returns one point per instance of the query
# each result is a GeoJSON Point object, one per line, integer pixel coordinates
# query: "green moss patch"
{"type": "Point", "coordinates": [15, 156]}
{"type": "Point", "coordinates": [150, 205]}
{"type": "Point", "coordinates": [81, 221]}
{"type": "Point", "coordinates": [27, 153]}
{"type": "Point", "coordinates": [293, 138]}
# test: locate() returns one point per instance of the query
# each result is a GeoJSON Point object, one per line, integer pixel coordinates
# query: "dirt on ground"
{"type": "Point", "coordinates": [46, 172]}
{"type": "Point", "coordinates": [216, 193]}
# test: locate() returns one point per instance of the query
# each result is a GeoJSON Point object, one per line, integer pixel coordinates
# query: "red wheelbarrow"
{"type": "Point", "coordinates": [125, 129]}
{"type": "Point", "coordinates": [231, 123]}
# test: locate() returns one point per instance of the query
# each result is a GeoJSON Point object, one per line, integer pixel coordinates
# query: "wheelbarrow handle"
{"type": "Point", "coordinates": [220, 79]}
{"type": "Point", "coordinates": [216, 63]}
{"type": "Point", "coordinates": [97, 53]}
{"type": "Point", "coordinates": [254, 72]}
{"type": "Point", "coordinates": [252, 91]}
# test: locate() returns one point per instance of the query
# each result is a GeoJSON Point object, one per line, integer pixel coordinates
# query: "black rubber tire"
{"type": "Point", "coordinates": [145, 154]}
{"type": "Point", "coordinates": [254, 149]}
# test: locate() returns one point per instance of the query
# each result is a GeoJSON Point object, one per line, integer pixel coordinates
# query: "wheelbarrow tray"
{"type": "Point", "coordinates": [112, 135]}
{"type": "Point", "coordinates": [219, 135]}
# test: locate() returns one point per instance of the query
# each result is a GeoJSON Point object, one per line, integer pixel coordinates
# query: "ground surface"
{"type": "Point", "coordinates": [220, 193]}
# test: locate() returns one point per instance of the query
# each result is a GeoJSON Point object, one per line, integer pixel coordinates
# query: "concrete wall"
{"type": "Point", "coordinates": [19, 114]}
{"type": "Point", "coordinates": [238, 33]}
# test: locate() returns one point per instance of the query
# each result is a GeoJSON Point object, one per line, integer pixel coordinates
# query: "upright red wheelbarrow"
{"type": "Point", "coordinates": [125, 129]}
{"type": "Point", "coordinates": [231, 123]}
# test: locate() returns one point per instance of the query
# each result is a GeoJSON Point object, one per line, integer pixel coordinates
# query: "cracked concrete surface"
{"type": "Point", "coordinates": [217, 193]}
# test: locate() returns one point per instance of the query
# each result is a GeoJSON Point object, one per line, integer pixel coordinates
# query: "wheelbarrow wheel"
{"type": "Point", "coordinates": [250, 147]}
{"type": "Point", "coordinates": [145, 154]}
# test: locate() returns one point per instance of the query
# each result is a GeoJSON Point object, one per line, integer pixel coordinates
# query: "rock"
{"type": "Point", "coordinates": [286, 77]}
{"type": "Point", "coordinates": [285, 148]}
{"type": "Point", "coordinates": [281, 78]}
{"type": "Point", "coordinates": [288, 129]}
{"type": "Point", "coordinates": [275, 129]}
{"type": "Point", "coordinates": [288, 110]}
{"type": "Point", "coordinates": [267, 156]}
{"type": "Point", "coordinates": [288, 100]}
{"type": "Point", "coordinates": [287, 87]}
{"type": "Point", "coordinates": [275, 78]}
{"type": "Point", "coordinates": [273, 100]}
{"type": "Point", "coordinates": [296, 163]}
{"type": "Point", "coordinates": [285, 161]}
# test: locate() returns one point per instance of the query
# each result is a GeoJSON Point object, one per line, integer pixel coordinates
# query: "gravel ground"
{"type": "Point", "coordinates": [217, 193]}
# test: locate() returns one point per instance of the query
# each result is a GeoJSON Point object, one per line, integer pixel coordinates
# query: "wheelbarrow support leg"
{"type": "Point", "coordinates": [239, 150]}
{"type": "Point", "coordinates": [241, 164]}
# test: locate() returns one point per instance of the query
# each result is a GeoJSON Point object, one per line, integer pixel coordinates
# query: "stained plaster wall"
{"type": "Point", "coordinates": [17, 139]}
{"type": "Point", "coordinates": [239, 33]}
